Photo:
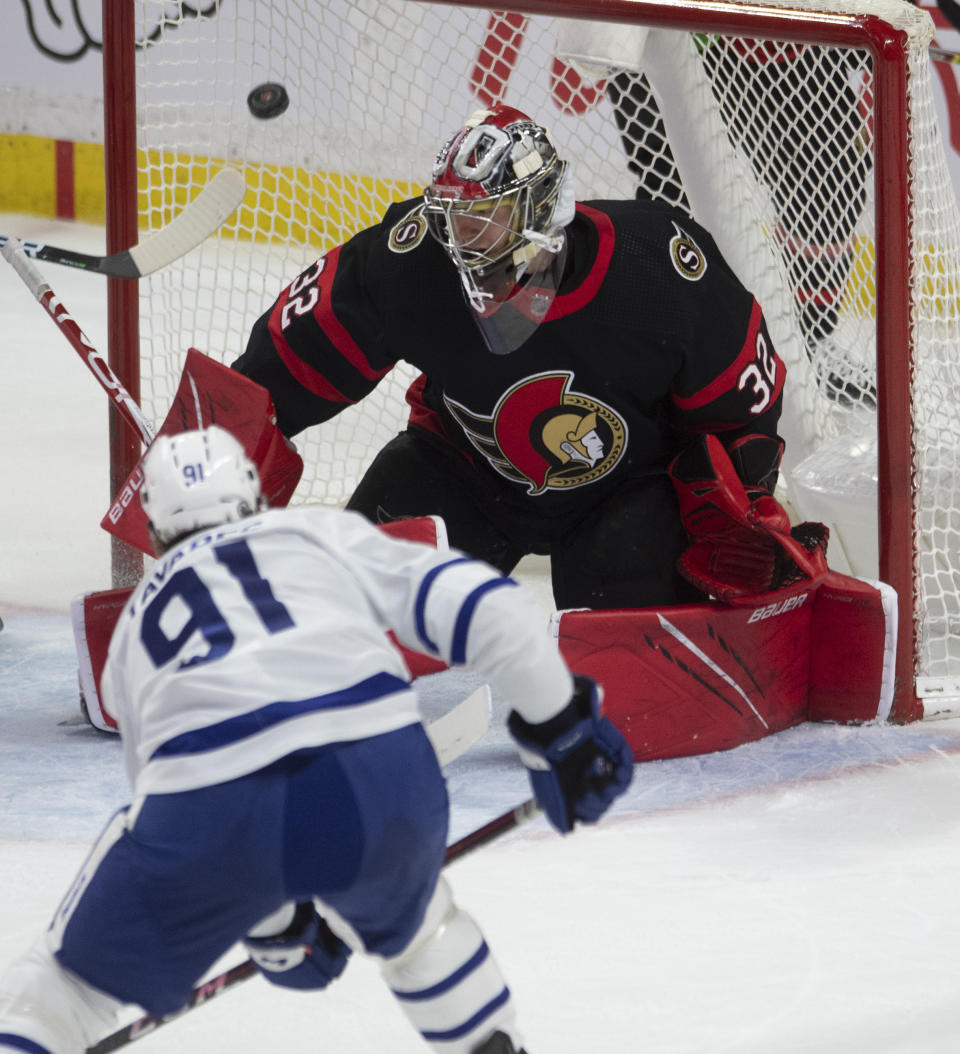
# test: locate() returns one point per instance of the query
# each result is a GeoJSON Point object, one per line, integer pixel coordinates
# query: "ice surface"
{"type": "Point", "coordinates": [793, 895]}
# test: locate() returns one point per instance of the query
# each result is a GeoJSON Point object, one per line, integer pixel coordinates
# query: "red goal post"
{"type": "Point", "coordinates": [814, 194]}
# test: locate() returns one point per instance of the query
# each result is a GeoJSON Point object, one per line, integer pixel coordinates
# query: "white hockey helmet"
{"type": "Point", "coordinates": [197, 479]}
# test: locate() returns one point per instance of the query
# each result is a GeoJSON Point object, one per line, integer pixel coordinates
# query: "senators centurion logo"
{"type": "Point", "coordinates": [546, 436]}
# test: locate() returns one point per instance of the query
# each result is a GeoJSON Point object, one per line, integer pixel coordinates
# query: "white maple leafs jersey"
{"type": "Point", "coordinates": [252, 640]}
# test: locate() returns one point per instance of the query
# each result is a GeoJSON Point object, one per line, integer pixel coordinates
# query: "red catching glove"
{"type": "Point", "coordinates": [741, 542]}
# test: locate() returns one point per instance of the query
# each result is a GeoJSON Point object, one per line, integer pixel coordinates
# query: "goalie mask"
{"type": "Point", "coordinates": [498, 202]}
{"type": "Point", "coordinates": [197, 479]}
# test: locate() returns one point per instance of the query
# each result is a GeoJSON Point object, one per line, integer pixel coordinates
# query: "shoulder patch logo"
{"type": "Point", "coordinates": [688, 261]}
{"type": "Point", "coordinates": [408, 233]}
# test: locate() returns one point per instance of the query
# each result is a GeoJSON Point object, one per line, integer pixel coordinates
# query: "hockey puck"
{"type": "Point", "coordinates": [268, 100]}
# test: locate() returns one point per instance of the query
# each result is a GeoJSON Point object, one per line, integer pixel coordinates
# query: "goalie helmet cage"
{"type": "Point", "coordinates": [803, 136]}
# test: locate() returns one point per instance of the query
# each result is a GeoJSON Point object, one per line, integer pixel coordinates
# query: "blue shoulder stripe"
{"type": "Point", "coordinates": [461, 629]}
{"type": "Point", "coordinates": [420, 604]}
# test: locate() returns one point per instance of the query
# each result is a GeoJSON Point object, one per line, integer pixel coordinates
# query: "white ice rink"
{"type": "Point", "coordinates": [795, 895]}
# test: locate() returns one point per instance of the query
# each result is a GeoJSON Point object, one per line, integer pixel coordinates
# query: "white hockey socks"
{"type": "Point", "coordinates": [45, 1009]}
{"type": "Point", "coordinates": [448, 983]}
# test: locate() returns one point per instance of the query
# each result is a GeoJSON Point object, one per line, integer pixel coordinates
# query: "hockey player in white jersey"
{"type": "Point", "coordinates": [279, 765]}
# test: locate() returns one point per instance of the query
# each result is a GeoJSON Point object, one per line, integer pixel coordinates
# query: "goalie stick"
{"type": "Point", "coordinates": [13, 252]}
{"type": "Point", "coordinates": [197, 221]}
{"type": "Point", "coordinates": [239, 405]}
{"type": "Point", "coordinates": [203, 993]}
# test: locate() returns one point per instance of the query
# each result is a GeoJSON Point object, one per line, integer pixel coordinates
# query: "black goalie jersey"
{"type": "Point", "coordinates": [651, 337]}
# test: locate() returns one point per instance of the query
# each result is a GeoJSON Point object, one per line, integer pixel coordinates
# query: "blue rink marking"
{"type": "Point", "coordinates": [60, 778]}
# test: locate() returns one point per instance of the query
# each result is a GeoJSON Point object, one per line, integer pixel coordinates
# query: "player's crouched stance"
{"type": "Point", "coordinates": [279, 766]}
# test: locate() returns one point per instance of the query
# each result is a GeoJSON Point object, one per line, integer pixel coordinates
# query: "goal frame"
{"type": "Point", "coordinates": [896, 521]}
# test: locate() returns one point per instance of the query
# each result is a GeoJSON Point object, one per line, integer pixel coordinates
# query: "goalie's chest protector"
{"type": "Point", "coordinates": [588, 399]}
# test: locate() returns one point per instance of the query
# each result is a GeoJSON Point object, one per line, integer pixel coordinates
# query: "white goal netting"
{"type": "Point", "coordinates": [772, 144]}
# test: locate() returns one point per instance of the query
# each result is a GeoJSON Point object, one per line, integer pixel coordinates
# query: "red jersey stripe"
{"type": "Point", "coordinates": [587, 290]}
{"type": "Point", "coordinates": [325, 319]}
{"type": "Point", "coordinates": [311, 379]}
{"type": "Point", "coordinates": [729, 380]}
{"type": "Point", "coordinates": [334, 330]}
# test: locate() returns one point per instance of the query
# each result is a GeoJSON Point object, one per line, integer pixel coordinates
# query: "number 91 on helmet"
{"type": "Point", "coordinates": [197, 479]}
{"type": "Point", "coordinates": [498, 202]}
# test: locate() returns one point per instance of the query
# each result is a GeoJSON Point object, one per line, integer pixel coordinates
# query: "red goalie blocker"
{"type": "Point", "coordinates": [210, 393]}
{"type": "Point", "coordinates": [697, 678]}
{"type": "Point", "coordinates": [94, 616]}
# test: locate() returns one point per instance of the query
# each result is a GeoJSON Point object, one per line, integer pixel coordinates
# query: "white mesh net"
{"type": "Point", "coordinates": [770, 144]}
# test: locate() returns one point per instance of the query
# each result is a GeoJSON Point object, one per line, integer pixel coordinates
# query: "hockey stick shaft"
{"type": "Point", "coordinates": [201, 994]}
{"type": "Point", "coordinates": [216, 985]}
{"type": "Point", "coordinates": [494, 829]}
{"type": "Point", "coordinates": [13, 253]}
{"type": "Point", "coordinates": [197, 221]}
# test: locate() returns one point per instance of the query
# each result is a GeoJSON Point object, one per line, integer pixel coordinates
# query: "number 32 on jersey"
{"type": "Point", "coordinates": [303, 293]}
{"type": "Point", "coordinates": [759, 377]}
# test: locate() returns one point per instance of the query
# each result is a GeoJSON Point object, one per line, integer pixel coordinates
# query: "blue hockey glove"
{"type": "Point", "coordinates": [579, 761]}
{"type": "Point", "coordinates": [307, 954]}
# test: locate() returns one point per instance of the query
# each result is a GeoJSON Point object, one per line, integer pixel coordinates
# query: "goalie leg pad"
{"type": "Point", "coordinates": [697, 678]}
{"type": "Point", "coordinates": [94, 617]}
{"type": "Point", "coordinates": [447, 982]}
